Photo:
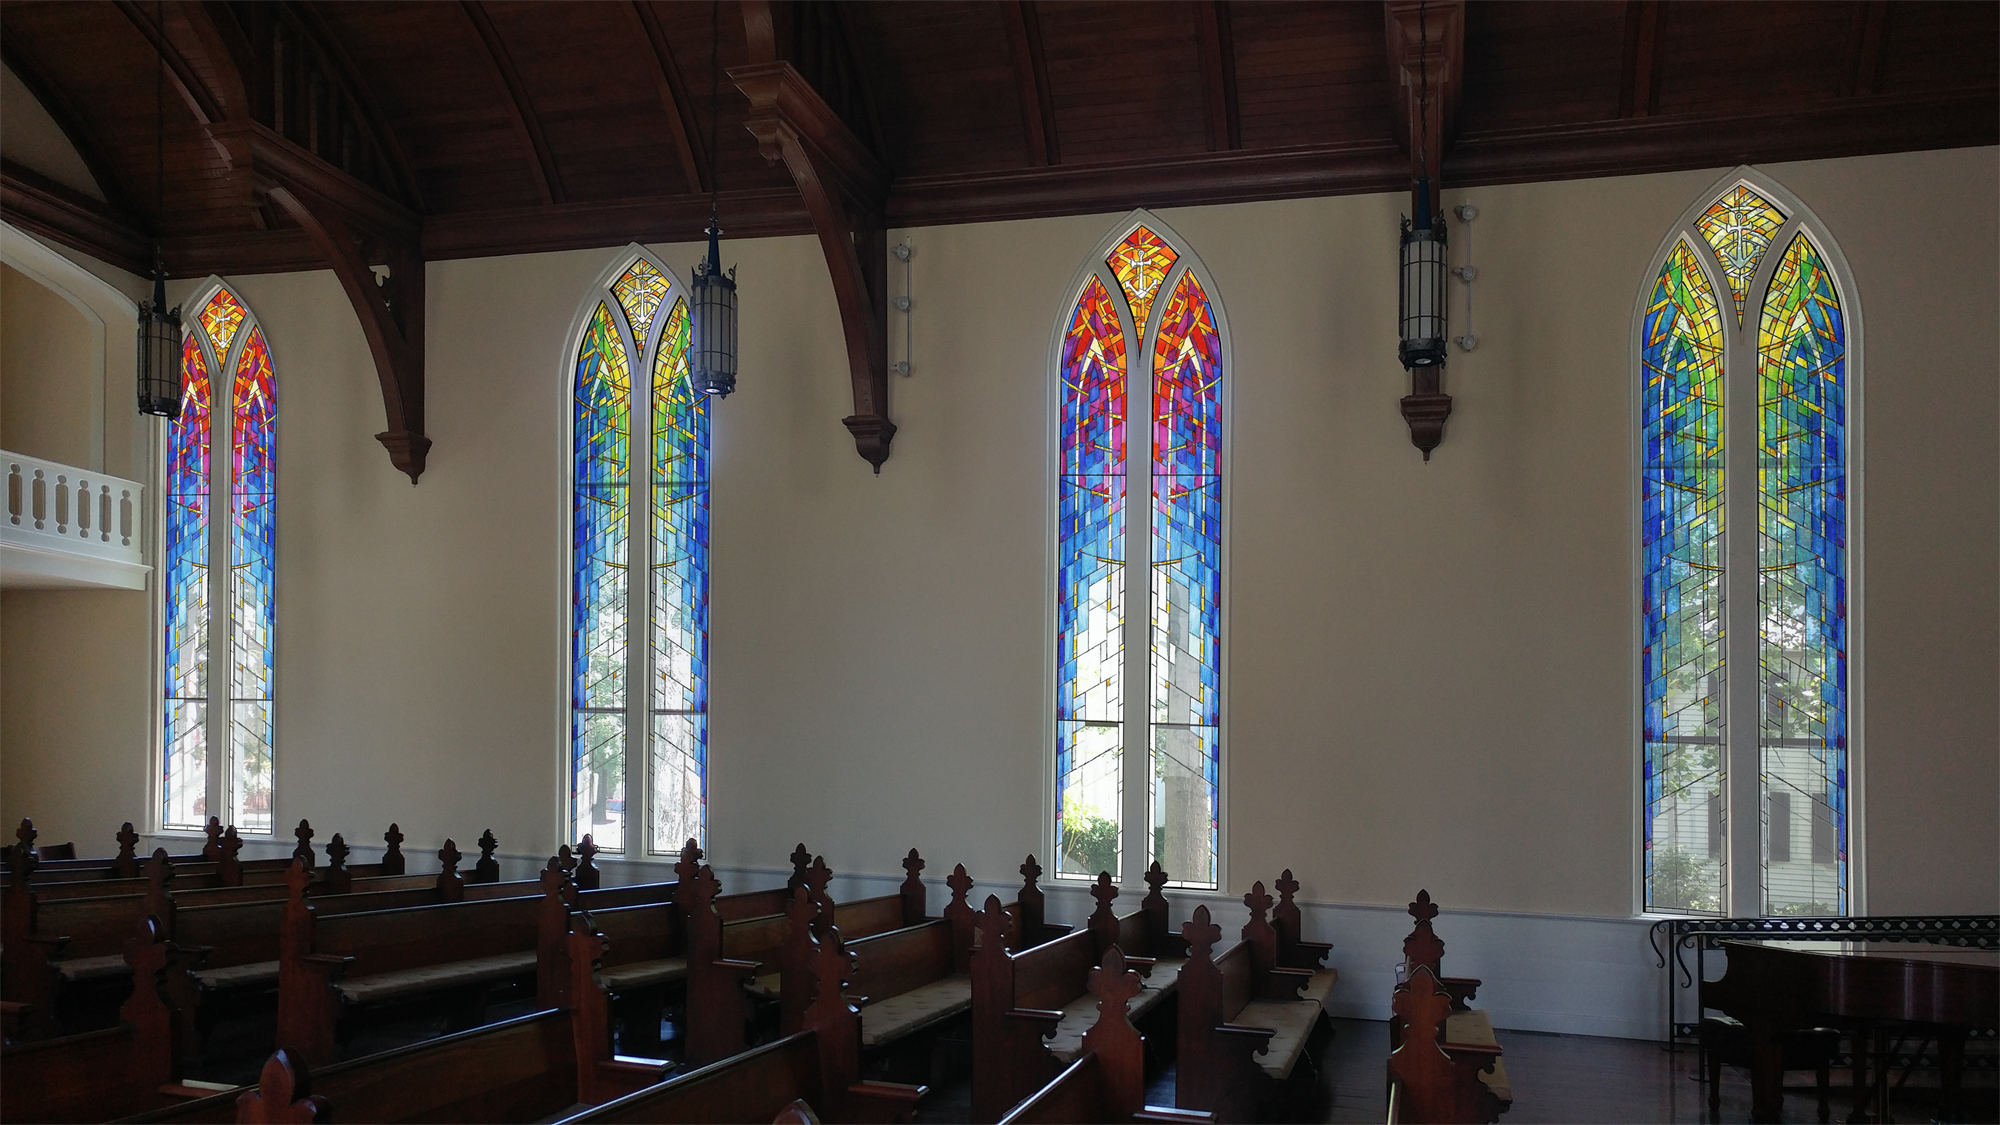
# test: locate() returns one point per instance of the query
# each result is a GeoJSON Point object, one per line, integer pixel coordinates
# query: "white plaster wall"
{"type": "Point", "coordinates": [1431, 666]}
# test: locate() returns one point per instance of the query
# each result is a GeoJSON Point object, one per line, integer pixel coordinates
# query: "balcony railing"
{"type": "Point", "coordinates": [67, 526]}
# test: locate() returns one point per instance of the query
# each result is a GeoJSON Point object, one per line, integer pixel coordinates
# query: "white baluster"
{"type": "Point", "coordinates": [41, 501]}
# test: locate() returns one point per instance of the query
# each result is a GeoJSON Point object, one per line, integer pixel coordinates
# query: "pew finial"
{"type": "Point", "coordinates": [487, 870]}
{"type": "Point", "coordinates": [960, 884]}
{"type": "Point", "coordinates": [26, 835]}
{"type": "Point", "coordinates": [159, 869]}
{"type": "Point", "coordinates": [1423, 910]}
{"type": "Point", "coordinates": [687, 864]}
{"type": "Point", "coordinates": [336, 852]}
{"type": "Point", "coordinates": [283, 1095]}
{"type": "Point", "coordinates": [128, 841]}
{"type": "Point", "coordinates": [801, 859]}
{"type": "Point", "coordinates": [1030, 871]}
{"type": "Point", "coordinates": [1201, 934]}
{"type": "Point", "coordinates": [211, 848]}
{"type": "Point", "coordinates": [1156, 878]}
{"type": "Point", "coordinates": [567, 858]}
{"type": "Point", "coordinates": [392, 859]}
{"type": "Point", "coordinates": [1423, 946]}
{"type": "Point", "coordinates": [1287, 886]}
{"type": "Point", "coordinates": [914, 864]}
{"type": "Point", "coordinates": [304, 852]}
{"type": "Point", "coordinates": [1103, 890]}
{"type": "Point", "coordinates": [448, 855]}
{"type": "Point", "coordinates": [916, 896]}
{"type": "Point", "coordinates": [586, 875]}
{"type": "Point", "coordinates": [1258, 901]}
{"type": "Point", "coordinates": [818, 877]}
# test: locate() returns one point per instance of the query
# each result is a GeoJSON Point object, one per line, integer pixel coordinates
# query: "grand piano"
{"type": "Point", "coordinates": [1772, 987]}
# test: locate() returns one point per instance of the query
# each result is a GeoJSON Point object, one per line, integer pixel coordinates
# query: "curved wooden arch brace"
{"type": "Point", "coordinates": [353, 227]}
{"type": "Point", "coordinates": [844, 188]}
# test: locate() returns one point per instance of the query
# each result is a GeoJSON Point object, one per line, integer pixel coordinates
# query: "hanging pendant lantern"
{"type": "Point", "coordinates": [159, 351]}
{"type": "Point", "coordinates": [1421, 309]}
{"type": "Point", "coordinates": [712, 324]}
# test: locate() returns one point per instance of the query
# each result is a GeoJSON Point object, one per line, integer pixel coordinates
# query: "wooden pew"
{"type": "Point", "coordinates": [1244, 1019]}
{"type": "Point", "coordinates": [1031, 1008]}
{"type": "Point", "coordinates": [820, 1066]}
{"type": "Point", "coordinates": [1106, 1082]}
{"type": "Point", "coordinates": [1464, 1025]}
{"type": "Point", "coordinates": [1434, 1079]}
{"type": "Point", "coordinates": [523, 1069]}
{"type": "Point", "coordinates": [128, 1068]}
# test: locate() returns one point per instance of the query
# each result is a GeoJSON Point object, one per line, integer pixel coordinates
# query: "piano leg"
{"type": "Point", "coordinates": [1951, 1072]}
{"type": "Point", "coordinates": [1767, 1069]}
{"type": "Point", "coordinates": [1862, 1088]}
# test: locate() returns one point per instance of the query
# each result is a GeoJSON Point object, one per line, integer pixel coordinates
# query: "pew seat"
{"type": "Point", "coordinates": [256, 974]}
{"type": "Point", "coordinates": [912, 1011]}
{"type": "Point", "coordinates": [395, 984]}
{"type": "Point", "coordinates": [1473, 1028]}
{"type": "Point", "coordinates": [1291, 1023]}
{"type": "Point", "coordinates": [75, 969]}
{"type": "Point", "coordinates": [642, 974]}
{"type": "Point", "coordinates": [1080, 1015]}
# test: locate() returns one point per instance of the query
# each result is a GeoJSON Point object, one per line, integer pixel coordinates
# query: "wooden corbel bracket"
{"type": "Point", "coordinates": [357, 229]}
{"type": "Point", "coordinates": [845, 188]}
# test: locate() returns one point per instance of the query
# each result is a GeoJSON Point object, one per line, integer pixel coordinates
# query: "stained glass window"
{"type": "Point", "coordinates": [184, 786]}
{"type": "Point", "coordinates": [1739, 227]}
{"type": "Point", "coordinates": [1681, 592]}
{"type": "Point", "coordinates": [1090, 584]}
{"type": "Point", "coordinates": [1172, 789]}
{"type": "Point", "coordinates": [1802, 567]}
{"type": "Point", "coordinates": [1782, 374]}
{"type": "Point", "coordinates": [603, 448]}
{"type": "Point", "coordinates": [659, 440]}
{"type": "Point", "coordinates": [225, 357]}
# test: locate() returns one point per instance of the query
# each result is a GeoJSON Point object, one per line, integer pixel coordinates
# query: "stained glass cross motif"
{"type": "Point", "coordinates": [1090, 582]}
{"type": "Point", "coordinates": [1682, 594]}
{"type": "Point", "coordinates": [1140, 263]}
{"type": "Point", "coordinates": [1739, 227]}
{"type": "Point", "coordinates": [1186, 688]}
{"type": "Point", "coordinates": [1802, 580]}
{"type": "Point", "coordinates": [220, 318]}
{"type": "Point", "coordinates": [640, 289]}
{"type": "Point", "coordinates": [601, 425]}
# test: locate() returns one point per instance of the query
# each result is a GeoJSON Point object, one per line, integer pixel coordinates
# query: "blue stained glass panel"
{"type": "Point", "coordinates": [680, 594]}
{"type": "Point", "coordinates": [1802, 581]}
{"type": "Point", "coordinates": [253, 570]}
{"type": "Point", "coordinates": [601, 421]}
{"type": "Point", "coordinates": [1186, 693]}
{"type": "Point", "coordinates": [184, 785]}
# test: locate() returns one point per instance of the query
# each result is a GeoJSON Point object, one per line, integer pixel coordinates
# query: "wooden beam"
{"type": "Point", "coordinates": [760, 31]}
{"type": "Point", "coordinates": [674, 99]}
{"type": "Point", "coordinates": [844, 188]}
{"type": "Point", "coordinates": [541, 160]}
{"type": "Point", "coordinates": [70, 121]}
{"type": "Point", "coordinates": [1871, 19]}
{"type": "Point", "coordinates": [354, 227]}
{"type": "Point", "coordinates": [1636, 94]}
{"type": "Point", "coordinates": [39, 205]}
{"type": "Point", "coordinates": [1031, 80]}
{"type": "Point", "coordinates": [201, 101]}
{"type": "Point", "coordinates": [1426, 43]}
{"type": "Point", "coordinates": [646, 219]}
{"type": "Point", "coordinates": [324, 40]}
{"type": "Point", "coordinates": [1218, 74]}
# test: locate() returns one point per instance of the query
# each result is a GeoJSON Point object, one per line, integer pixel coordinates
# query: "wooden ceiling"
{"type": "Point", "coordinates": [522, 126]}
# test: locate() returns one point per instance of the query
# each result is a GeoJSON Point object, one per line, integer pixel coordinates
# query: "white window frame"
{"type": "Point", "coordinates": [1136, 788]}
{"type": "Point", "coordinates": [221, 621]}
{"type": "Point", "coordinates": [1743, 784]}
{"type": "Point", "coordinates": [638, 545]}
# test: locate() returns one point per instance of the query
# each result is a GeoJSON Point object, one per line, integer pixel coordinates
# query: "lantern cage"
{"type": "Point", "coordinates": [1421, 308]}
{"type": "Point", "coordinates": [712, 324]}
{"type": "Point", "coordinates": [159, 353]}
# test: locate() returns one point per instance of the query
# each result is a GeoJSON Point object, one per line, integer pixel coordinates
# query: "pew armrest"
{"type": "Point", "coordinates": [623, 1074]}
{"type": "Point", "coordinates": [1169, 1113]}
{"type": "Point", "coordinates": [1312, 952]}
{"type": "Point", "coordinates": [1141, 965]}
{"type": "Point", "coordinates": [327, 966]}
{"type": "Point", "coordinates": [1255, 1040]}
{"type": "Point", "coordinates": [1461, 990]}
{"type": "Point", "coordinates": [1042, 1021]}
{"type": "Point", "coordinates": [885, 1102]}
{"type": "Point", "coordinates": [1284, 984]}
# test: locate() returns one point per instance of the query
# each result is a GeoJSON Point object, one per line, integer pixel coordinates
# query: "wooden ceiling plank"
{"type": "Point", "coordinates": [1642, 43]}
{"type": "Point", "coordinates": [201, 101]}
{"type": "Point", "coordinates": [1218, 75]}
{"type": "Point", "coordinates": [329, 45]}
{"type": "Point", "coordinates": [1031, 78]}
{"type": "Point", "coordinates": [548, 179]}
{"type": "Point", "coordinates": [1870, 22]}
{"type": "Point", "coordinates": [674, 99]}
{"type": "Point", "coordinates": [69, 120]}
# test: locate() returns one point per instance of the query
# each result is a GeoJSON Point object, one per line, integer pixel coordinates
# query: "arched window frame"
{"type": "Point", "coordinates": [640, 788]}
{"type": "Point", "coordinates": [1744, 834]}
{"type": "Point", "coordinates": [1141, 340]}
{"type": "Point", "coordinates": [222, 785]}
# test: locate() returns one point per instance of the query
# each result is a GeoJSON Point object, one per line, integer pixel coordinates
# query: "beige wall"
{"type": "Point", "coordinates": [1450, 642]}
{"type": "Point", "coordinates": [50, 405]}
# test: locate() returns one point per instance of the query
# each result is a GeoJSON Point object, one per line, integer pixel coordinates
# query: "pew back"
{"type": "Point", "coordinates": [382, 941]}
{"type": "Point", "coordinates": [750, 1088]}
{"type": "Point", "coordinates": [893, 963]}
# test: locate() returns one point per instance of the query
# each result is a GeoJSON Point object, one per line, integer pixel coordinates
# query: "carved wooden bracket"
{"type": "Point", "coordinates": [356, 228]}
{"type": "Point", "coordinates": [1426, 407]}
{"type": "Point", "coordinates": [845, 188]}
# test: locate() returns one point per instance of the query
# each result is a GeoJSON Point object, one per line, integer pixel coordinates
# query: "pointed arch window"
{"type": "Point", "coordinates": [638, 685]}
{"type": "Point", "coordinates": [219, 583]}
{"type": "Point", "coordinates": [1748, 364]}
{"type": "Point", "coordinates": [1142, 296]}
